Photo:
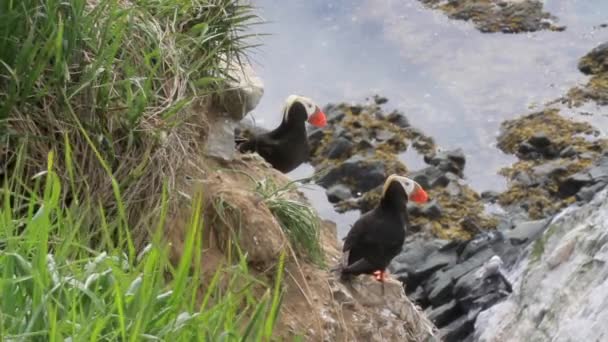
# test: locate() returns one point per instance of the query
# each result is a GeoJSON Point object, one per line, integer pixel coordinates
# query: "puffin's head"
{"type": "Point", "coordinates": [396, 185]}
{"type": "Point", "coordinates": [302, 108]}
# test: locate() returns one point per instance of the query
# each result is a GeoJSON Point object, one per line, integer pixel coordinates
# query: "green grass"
{"type": "Point", "coordinates": [297, 219]}
{"type": "Point", "coordinates": [120, 82]}
{"type": "Point", "coordinates": [99, 109]}
{"type": "Point", "coordinates": [55, 287]}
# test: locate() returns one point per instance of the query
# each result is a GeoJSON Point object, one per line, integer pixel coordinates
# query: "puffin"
{"type": "Point", "coordinates": [286, 147]}
{"type": "Point", "coordinates": [378, 235]}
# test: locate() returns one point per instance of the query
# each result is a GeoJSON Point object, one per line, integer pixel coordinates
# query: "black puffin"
{"type": "Point", "coordinates": [286, 147]}
{"type": "Point", "coordinates": [378, 235]}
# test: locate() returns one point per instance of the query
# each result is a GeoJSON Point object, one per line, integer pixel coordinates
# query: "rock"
{"type": "Point", "coordinates": [490, 196]}
{"type": "Point", "coordinates": [526, 231]}
{"type": "Point", "coordinates": [596, 61]}
{"type": "Point", "coordinates": [416, 250]}
{"type": "Point", "coordinates": [340, 148]}
{"type": "Point", "coordinates": [540, 140]}
{"type": "Point", "coordinates": [453, 189]}
{"type": "Point", "coordinates": [459, 329]}
{"type": "Point", "coordinates": [398, 119]}
{"type": "Point", "coordinates": [356, 110]}
{"type": "Point", "coordinates": [430, 177]}
{"type": "Point", "coordinates": [481, 241]}
{"type": "Point", "coordinates": [244, 91]}
{"type": "Point", "coordinates": [572, 184]}
{"type": "Point", "coordinates": [568, 152]}
{"type": "Point", "coordinates": [338, 193]}
{"type": "Point", "coordinates": [361, 174]}
{"type": "Point", "coordinates": [379, 100]}
{"type": "Point", "coordinates": [414, 209]}
{"type": "Point", "coordinates": [432, 210]}
{"type": "Point", "coordinates": [433, 263]}
{"type": "Point", "coordinates": [444, 314]}
{"type": "Point", "coordinates": [364, 298]}
{"type": "Point", "coordinates": [441, 284]}
{"type": "Point", "coordinates": [560, 286]}
{"type": "Point", "coordinates": [448, 161]}
{"type": "Point", "coordinates": [549, 169]}
{"type": "Point", "coordinates": [314, 137]}
{"type": "Point", "coordinates": [334, 115]}
{"type": "Point", "coordinates": [383, 135]}
{"type": "Point", "coordinates": [587, 193]}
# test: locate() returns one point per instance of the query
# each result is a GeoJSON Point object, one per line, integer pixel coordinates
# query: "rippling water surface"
{"type": "Point", "coordinates": [452, 81]}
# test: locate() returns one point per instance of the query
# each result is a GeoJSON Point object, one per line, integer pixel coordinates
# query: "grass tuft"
{"type": "Point", "coordinates": [56, 288]}
{"type": "Point", "coordinates": [123, 83]}
{"type": "Point", "coordinates": [297, 219]}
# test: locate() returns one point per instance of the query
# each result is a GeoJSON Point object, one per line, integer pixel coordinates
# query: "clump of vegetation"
{"type": "Point", "coordinates": [595, 64]}
{"type": "Point", "coordinates": [298, 220]}
{"type": "Point", "coordinates": [506, 17]}
{"type": "Point", "coordinates": [117, 92]}
{"type": "Point", "coordinates": [118, 86]}
{"type": "Point", "coordinates": [55, 287]}
{"type": "Point", "coordinates": [562, 132]}
{"type": "Point", "coordinates": [568, 147]}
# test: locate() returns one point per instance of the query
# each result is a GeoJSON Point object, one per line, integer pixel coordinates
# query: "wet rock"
{"type": "Point", "coordinates": [448, 161]}
{"type": "Point", "coordinates": [587, 193]}
{"type": "Point", "coordinates": [383, 135]}
{"type": "Point", "coordinates": [414, 209]}
{"type": "Point", "coordinates": [333, 114]}
{"type": "Point", "coordinates": [432, 210]}
{"type": "Point", "coordinates": [338, 193]}
{"type": "Point", "coordinates": [596, 61]}
{"type": "Point", "coordinates": [314, 137]}
{"type": "Point", "coordinates": [540, 140]}
{"type": "Point", "coordinates": [459, 329]}
{"type": "Point", "coordinates": [453, 189]}
{"type": "Point", "coordinates": [568, 152]}
{"type": "Point", "coordinates": [356, 110]}
{"type": "Point", "coordinates": [359, 173]}
{"type": "Point", "coordinates": [433, 263]}
{"type": "Point", "coordinates": [483, 240]}
{"type": "Point", "coordinates": [499, 16]}
{"type": "Point", "coordinates": [444, 314]}
{"type": "Point", "coordinates": [430, 177]}
{"type": "Point", "coordinates": [340, 148]}
{"type": "Point", "coordinates": [526, 231]}
{"type": "Point", "coordinates": [408, 265]}
{"type": "Point", "coordinates": [398, 119]}
{"type": "Point", "coordinates": [550, 169]}
{"type": "Point", "coordinates": [490, 196]}
{"type": "Point", "coordinates": [571, 185]}
{"type": "Point", "coordinates": [380, 100]}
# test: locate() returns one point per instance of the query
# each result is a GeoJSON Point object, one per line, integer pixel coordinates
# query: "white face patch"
{"type": "Point", "coordinates": [408, 184]}
{"type": "Point", "coordinates": [308, 104]}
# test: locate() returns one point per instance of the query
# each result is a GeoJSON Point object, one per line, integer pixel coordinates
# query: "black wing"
{"type": "Point", "coordinates": [260, 144]}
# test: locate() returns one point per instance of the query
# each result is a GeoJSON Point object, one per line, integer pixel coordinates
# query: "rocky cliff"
{"type": "Point", "coordinates": [559, 291]}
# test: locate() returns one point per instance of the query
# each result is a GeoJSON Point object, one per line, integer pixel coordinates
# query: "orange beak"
{"type": "Point", "coordinates": [419, 195]}
{"type": "Point", "coordinates": [318, 118]}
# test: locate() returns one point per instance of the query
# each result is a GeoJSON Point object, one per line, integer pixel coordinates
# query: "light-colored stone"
{"type": "Point", "coordinates": [559, 290]}
{"type": "Point", "coordinates": [242, 93]}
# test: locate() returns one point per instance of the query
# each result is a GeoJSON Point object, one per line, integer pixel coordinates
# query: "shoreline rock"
{"type": "Point", "coordinates": [359, 148]}
{"type": "Point", "coordinates": [506, 16]}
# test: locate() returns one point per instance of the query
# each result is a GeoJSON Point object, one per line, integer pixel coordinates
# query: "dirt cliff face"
{"type": "Point", "coordinates": [314, 305]}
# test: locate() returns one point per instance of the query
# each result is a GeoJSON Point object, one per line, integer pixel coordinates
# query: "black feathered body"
{"type": "Point", "coordinates": [285, 147]}
{"type": "Point", "coordinates": [377, 236]}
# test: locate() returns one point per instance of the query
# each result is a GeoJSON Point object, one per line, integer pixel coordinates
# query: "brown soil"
{"type": "Point", "coordinates": [315, 305]}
